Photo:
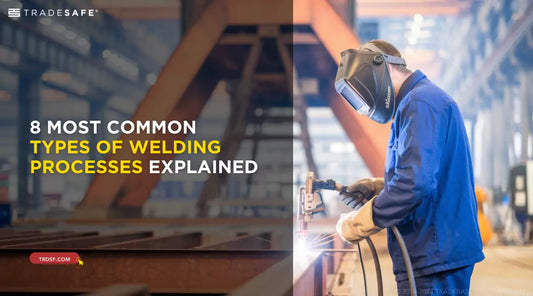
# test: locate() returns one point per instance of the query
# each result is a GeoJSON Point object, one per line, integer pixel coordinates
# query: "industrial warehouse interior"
{"type": "Point", "coordinates": [222, 147]}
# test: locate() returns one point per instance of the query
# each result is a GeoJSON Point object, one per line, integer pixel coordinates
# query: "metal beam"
{"type": "Point", "coordinates": [18, 234]}
{"type": "Point", "coordinates": [370, 138]}
{"type": "Point", "coordinates": [525, 112]}
{"type": "Point", "coordinates": [299, 104]}
{"type": "Point", "coordinates": [261, 12]}
{"type": "Point", "coordinates": [249, 39]}
{"type": "Point", "coordinates": [109, 33]}
{"type": "Point", "coordinates": [130, 192]}
{"type": "Point", "coordinates": [42, 238]}
{"type": "Point", "coordinates": [35, 45]}
{"type": "Point", "coordinates": [175, 241]}
{"type": "Point", "coordinates": [308, 274]}
{"type": "Point", "coordinates": [82, 242]}
{"type": "Point", "coordinates": [158, 103]}
{"type": "Point", "coordinates": [248, 242]}
{"type": "Point", "coordinates": [389, 8]}
{"type": "Point", "coordinates": [121, 290]}
{"type": "Point", "coordinates": [137, 188]}
{"type": "Point", "coordinates": [501, 50]}
{"type": "Point", "coordinates": [236, 125]}
{"type": "Point", "coordinates": [273, 281]}
{"type": "Point", "coordinates": [164, 271]}
{"type": "Point", "coordinates": [218, 221]}
{"type": "Point", "coordinates": [29, 103]}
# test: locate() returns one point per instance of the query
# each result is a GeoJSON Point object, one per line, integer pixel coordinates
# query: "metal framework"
{"type": "Point", "coordinates": [207, 45]}
{"type": "Point", "coordinates": [33, 44]}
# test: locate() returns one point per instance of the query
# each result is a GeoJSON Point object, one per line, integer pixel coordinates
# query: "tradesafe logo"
{"type": "Point", "coordinates": [19, 12]}
{"type": "Point", "coordinates": [13, 12]}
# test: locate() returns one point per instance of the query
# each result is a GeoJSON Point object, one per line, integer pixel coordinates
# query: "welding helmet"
{"type": "Point", "coordinates": [363, 79]}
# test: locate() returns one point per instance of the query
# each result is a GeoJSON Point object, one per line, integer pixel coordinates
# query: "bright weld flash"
{"type": "Point", "coordinates": [302, 253]}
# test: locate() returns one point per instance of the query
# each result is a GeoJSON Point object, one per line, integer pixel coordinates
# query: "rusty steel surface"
{"type": "Point", "coordinates": [273, 281]}
{"type": "Point", "coordinates": [43, 238]}
{"type": "Point", "coordinates": [164, 271]}
{"type": "Point", "coordinates": [81, 242]}
{"type": "Point", "coordinates": [18, 234]}
{"type": "Point", "coordinates": [308, 270]}
{"type": "Point", "coordinates": [227, 221]}
{"type": "Point", "coordinates": [175, 241]}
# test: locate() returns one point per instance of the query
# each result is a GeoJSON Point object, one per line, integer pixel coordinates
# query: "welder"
{"type": "Point", "coordinates": [428, 187]}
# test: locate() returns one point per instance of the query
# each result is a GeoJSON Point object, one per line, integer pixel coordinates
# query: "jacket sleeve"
{"type": "Point", "coordinates": [415, 164]}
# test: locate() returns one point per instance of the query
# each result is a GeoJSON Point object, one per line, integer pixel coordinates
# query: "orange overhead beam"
{"type": "Point", "coordinates": [171, 85]}
{"type": "Point", "coordinates": [369, 137]}
{"type": "Point", "coordinates": [259, 12]}
{"type": "Point", "coordinates": [378, 11]}
{"type": "Point", "coordinates": [301, 11]}
{"type": "Point", "coordinates": [179, 93]}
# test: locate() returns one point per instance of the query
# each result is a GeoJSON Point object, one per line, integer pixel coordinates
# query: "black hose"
{"type": "Point", "coordinates": [406, 259]}
{"type": "Point", "coordinates": [362, 267]}
{"type": "Point", "coordinates": [376, 264]}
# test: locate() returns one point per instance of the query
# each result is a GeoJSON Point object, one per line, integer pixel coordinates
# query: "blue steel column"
{"type": "Point", "coordinates": [522, 56]}
{"type": "Point", "coordinates": [28, 110]}
{"type": "Point", "coordinates": [97, 109]}
{"type": "Point", "coordinates": [526, 77]}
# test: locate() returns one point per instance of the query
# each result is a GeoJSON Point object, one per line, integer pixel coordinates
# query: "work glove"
{"type": "Point", "coordinates": [361, 191]}
{"type": "Point", "coordinates": [357, 225]}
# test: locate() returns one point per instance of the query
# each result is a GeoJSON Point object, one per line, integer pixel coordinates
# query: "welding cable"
{"type": "Point", "coordinates": [362, 267]}
{"type": "Point", "coordinates": [376, 264]}
{"type": "Point", "coordinates": [406, 259]}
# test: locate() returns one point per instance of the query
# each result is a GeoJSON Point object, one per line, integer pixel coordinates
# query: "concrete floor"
{"type": "Point", "coordinates": [506, 271]}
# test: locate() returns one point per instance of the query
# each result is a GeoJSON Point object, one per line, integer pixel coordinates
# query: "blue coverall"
{"type": "Point", "coordinates": [429, 191]}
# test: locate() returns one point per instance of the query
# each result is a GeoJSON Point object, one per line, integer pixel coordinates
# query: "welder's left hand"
{"type": "Point", "coordinates": [358, 193]}
{"type": "Point", "coordinates": [357, 225]}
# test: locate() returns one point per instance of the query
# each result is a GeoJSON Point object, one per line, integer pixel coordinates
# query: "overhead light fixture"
{"type": "Point", "coordinates": [418, 18]}
{"type": "Point", "coordinates": [151, 78]}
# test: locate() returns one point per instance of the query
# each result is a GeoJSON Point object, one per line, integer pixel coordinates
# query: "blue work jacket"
{"type": "Point", "coordinates": [429, 184]}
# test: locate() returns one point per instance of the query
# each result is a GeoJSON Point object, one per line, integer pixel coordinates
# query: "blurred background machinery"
{"type": "Point", "coordinates": [257, 75]}
{"type": "Point", "coordinates": [102, 67]}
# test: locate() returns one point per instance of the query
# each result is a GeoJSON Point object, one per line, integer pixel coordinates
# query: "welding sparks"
{"type": "Point", "coordinates": [302, 252]}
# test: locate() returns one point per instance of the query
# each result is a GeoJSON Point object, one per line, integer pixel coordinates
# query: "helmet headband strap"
{"type": "Point", "coordinates": [390, 59]}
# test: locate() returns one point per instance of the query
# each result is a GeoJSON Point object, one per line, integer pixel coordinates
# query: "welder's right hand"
{"type": "Point", "coordinates": [360, 192]}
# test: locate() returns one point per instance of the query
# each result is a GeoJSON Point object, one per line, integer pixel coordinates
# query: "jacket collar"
{"type": "Point", "coordinates": [409, 84]}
